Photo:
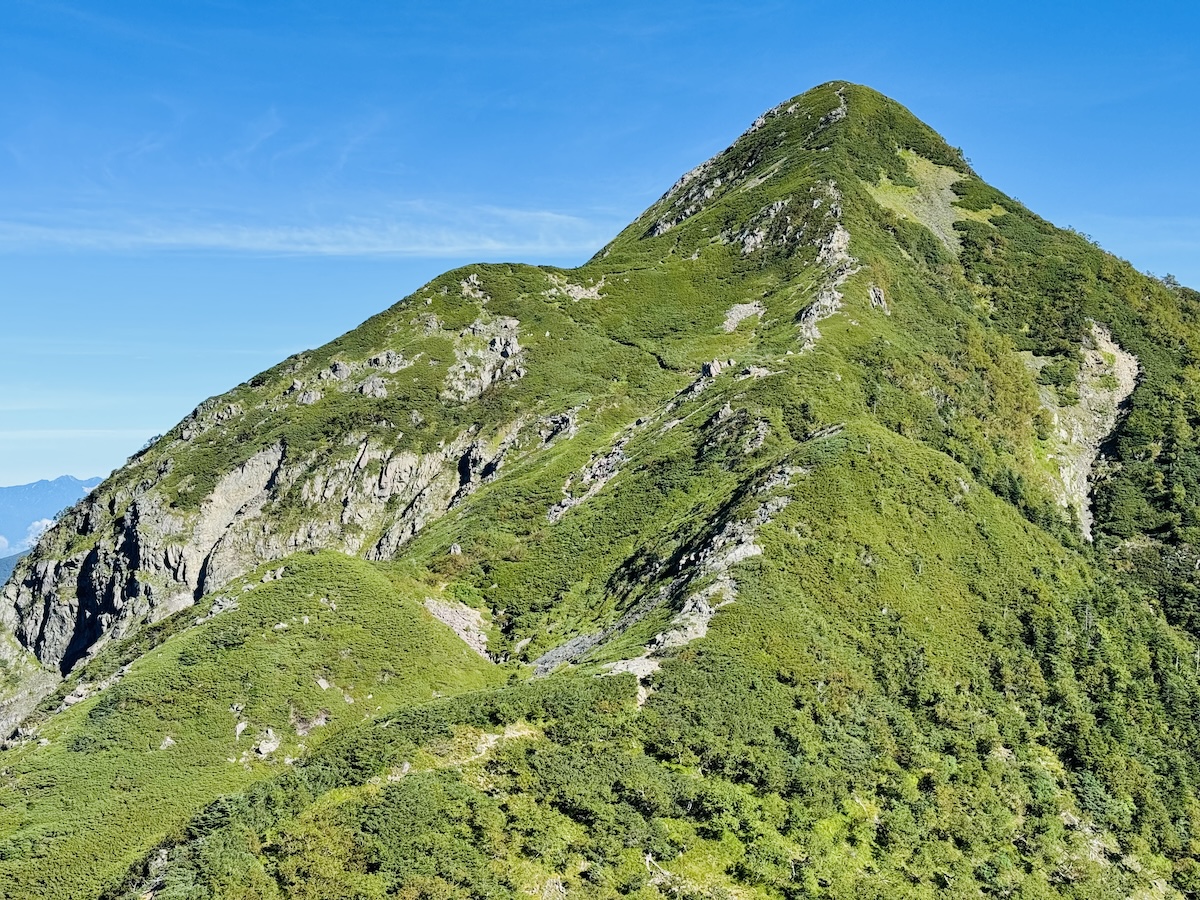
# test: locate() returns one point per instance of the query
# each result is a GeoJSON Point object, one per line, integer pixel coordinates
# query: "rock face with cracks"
{"type": "Point", "coordinates": [1106, 378]}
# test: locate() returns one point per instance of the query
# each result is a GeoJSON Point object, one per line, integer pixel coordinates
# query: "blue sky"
{"type": "Point", "coordinates": [191, 191]}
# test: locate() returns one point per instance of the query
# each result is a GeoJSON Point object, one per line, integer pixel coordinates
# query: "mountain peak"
{"type": "Point", "coordinates": [833, 532]}
{"type": "Point", "coordinates": [776, 172]}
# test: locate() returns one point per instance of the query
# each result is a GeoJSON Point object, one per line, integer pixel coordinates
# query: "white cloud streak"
{"type": "Point", "coordinates": [425, 231]}
{"type": "Point", "coordinates": [41, 434]}
{"type": "Point", "coordinates": [33, 532]}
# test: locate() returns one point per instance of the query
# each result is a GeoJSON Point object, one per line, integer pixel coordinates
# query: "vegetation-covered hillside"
{"type": "Point", "coordinates": [832, 533]}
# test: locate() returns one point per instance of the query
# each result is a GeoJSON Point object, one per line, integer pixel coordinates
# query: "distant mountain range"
{"type": "Point", "coordinates": [26, 510]}
{"type": "Point", "coordinates": [7, 564]}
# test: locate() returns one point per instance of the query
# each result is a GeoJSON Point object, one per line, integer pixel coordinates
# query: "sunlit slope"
{"type": "Point", "coordinates": [277, 668]}
{"type": "Point", "coordinates": [831, 533]}
{"type": "Point", "coordinates": [914, 688]}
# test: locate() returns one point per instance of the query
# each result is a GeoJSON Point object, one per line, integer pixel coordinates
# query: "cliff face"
{"type": "Point", "coordinates": [142, 560]}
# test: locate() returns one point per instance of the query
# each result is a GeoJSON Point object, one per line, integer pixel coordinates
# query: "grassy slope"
{"type": "Point", "coordinates": [104, 789]}
{"type": "Point", "coordinates": [926, 676]}
{"type": "Point", "coordinates": [884, 711]}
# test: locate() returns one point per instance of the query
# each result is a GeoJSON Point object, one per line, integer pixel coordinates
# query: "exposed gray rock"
{"type": "Point", "coordinates": [755, 439]}
{"type": "Point", "coordinates": [437, 482]}
{"type": "Point", "coordinates": [702, 586]}
{"type": "Point", "coordinates": [739, 312]}
{"type": "Point", "coordinates": [732, 168]}
{"type": "Point", "coordinates": [641, 667]}
{"type": "Point", "coordinates": [1106, 379]}
{"type": "Point", "coordinates": [273, 575]}
{"type": "Point", "coordinates": [472, 287]}
{"type": "Point", "coordinates": [688, 195]}
{"type": "Point", "coordinates": [83, 690]}
{"type": "Point", "coordinates": [769, 226]}
{"type": "Point", "coordinates": [577, 292]}
{"type": "Point", "coordinates": [374, 387]}
{"type": "Point", "coordinates": [390, 361]}
{"type": "Point", "coordinates": [268, 742]}
{"type": "Point", "coordinates": [303, 725]}
{"type": "Point", "coordinates": [878, 301]}
{"type": "Point", "coordinates": [428, 323]}
{"type": "Point", "coordinates": [151, 561]}
{"type": "Point", "coordinates": [599, 471]}
{"type": "Point", "coordinates": [150, 564]}
{"type": "Point", "coordinates": [836, 114]}
{"type": "Point", "coordinates": [339, 371]}
{"type": "Point", "coordinates": [486, 352]}
{"type": "Point", "coordinates": [551, 428]}
{"type": "Point", "coordinates": [464, 621]}
{"type": "Point", "coordinates": [755, 372]}
{"type": "Point", "coordinates": [833, 253]}
{"type": "Point", "coordinates": [208, 415]}
{"type": "Point", "coordinates": [27, 683]}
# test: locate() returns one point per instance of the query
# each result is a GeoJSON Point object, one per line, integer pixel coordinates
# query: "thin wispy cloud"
{"type": "Point", "coordinates": [120, 28]}
{"type": "Point", "coordinates": [415, 230]}
{"type": "Point", "coordinates": [38, 434]}
{"type": "Point", "coordinates": [259, 132]}
{"type": "Point", "coordinates": [33, 532]}
{"type": "Point", "coordinates": [357, 137]}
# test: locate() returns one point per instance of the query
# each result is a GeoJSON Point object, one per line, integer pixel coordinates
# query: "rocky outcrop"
{"type": "Point", "coordinates": [152, 562]}
{"type": "Point", "coordinates": [212, 413]}
{"type": "Point", "coordinates": [833, 254]}
{"type": "Point", "coordinates": [710, 180]}
{"type": "Point", "coordinates": [735, 168]}
{"type": "Point", "coordinates": [487, 351]}
{"type": "Point", "coordinates": [560, 286]}
{"type": "Point", "coordinates": [770, 225]}
{"type": "Point", "coordinates": [472, 289]}
{"type": "Point", "coordinates": [836, 114]}
{"type": "Point", "coordinates": [739, 312]}
{"type": "Point", "coordinates": [702, 585]}
{"type": "Point", "coordinates": [1107, 376]}
{"type": "Point", "coordinates": [374, 386]}
{"type": "Point", "coordinates": [878, 300]}
{"type": "Point", "coordinates": [599, 471]}
{"type": "Point", "coordinates": [102, 572]}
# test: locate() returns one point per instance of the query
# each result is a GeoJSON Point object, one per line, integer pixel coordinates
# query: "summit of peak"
{"type": "Point", "coordinates": [791, 160]}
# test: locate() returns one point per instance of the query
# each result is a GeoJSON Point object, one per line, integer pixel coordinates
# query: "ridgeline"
{"type": "Point", "coordinates": [832, 533]}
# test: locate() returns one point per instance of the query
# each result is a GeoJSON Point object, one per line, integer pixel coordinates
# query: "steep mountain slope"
{"type": "Point", "coordinates": [871, 493]}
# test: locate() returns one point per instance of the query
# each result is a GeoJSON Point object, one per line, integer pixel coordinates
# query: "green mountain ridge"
{"type": "Point", "coordinates": [831, 533]}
